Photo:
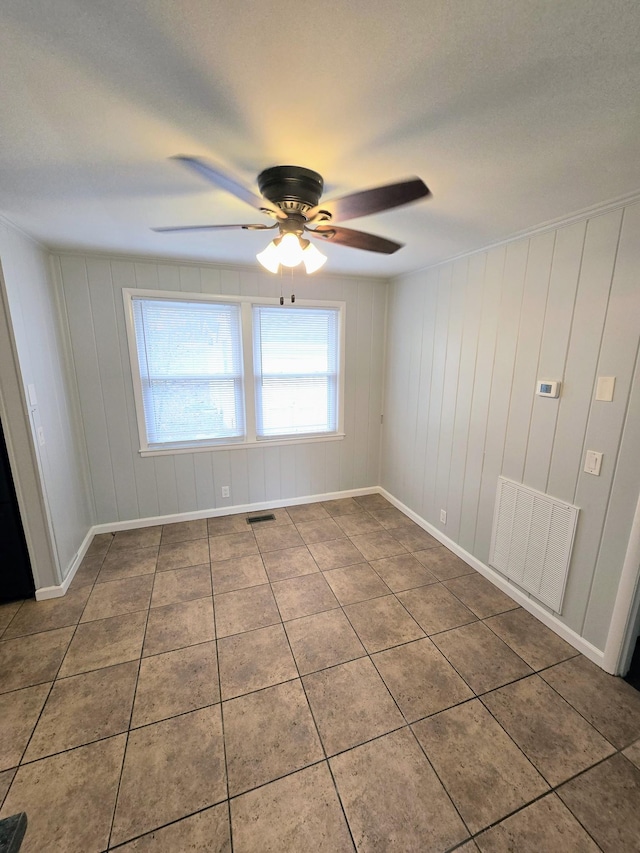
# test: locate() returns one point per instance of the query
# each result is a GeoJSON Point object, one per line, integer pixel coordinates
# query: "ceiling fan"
{"type": "Point", "coordinates": [291, 195]}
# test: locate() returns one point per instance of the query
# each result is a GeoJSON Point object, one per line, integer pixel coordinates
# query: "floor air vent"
{"type": "Point", "coordinates": [255, 519]}
{"type": "Point", "coordinates": [532, 540]}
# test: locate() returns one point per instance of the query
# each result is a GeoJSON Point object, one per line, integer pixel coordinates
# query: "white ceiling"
{"type": "Point", "coordinates": [514, 112]}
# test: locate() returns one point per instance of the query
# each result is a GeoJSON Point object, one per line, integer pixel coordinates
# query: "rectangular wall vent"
{"type": "Point", "coordinates": [532, 540]}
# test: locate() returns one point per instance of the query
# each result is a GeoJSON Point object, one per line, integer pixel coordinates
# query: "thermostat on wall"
{"type": "Point", "coordinates": [548, 388]}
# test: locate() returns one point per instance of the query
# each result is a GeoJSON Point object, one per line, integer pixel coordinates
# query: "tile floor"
{"type": "Point", "coordinates": [331, 680]}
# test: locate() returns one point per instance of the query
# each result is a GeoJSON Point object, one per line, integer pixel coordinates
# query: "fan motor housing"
{"type": "Point", "coordinates": [291, 187]}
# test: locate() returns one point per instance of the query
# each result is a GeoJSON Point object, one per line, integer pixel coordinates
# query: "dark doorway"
{"type": "Point", "coordinates": [633, 676]}
{"type": "Point", "coordinates": [16, 579]}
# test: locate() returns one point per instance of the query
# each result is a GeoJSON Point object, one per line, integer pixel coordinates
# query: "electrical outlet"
{"type": "Point", "coordinates": [225, 491]}
{"type": "Point", "coordinates": [41, 440]}
{"type": "Point", "coordinates": [443, 516]}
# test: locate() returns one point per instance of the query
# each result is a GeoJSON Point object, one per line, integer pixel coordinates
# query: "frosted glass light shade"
{"type": "Point", "coordinates": [313, 259]}
{"type": "Point", "coordinates": [270, 257]}
{"type": "Point", "coordinates": [289, 250]}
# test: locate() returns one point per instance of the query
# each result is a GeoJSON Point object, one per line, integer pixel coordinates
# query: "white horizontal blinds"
{"type": "Point", "coordinates": [190, 358]}
{"type": "Point", "coordinates": [296, 362]}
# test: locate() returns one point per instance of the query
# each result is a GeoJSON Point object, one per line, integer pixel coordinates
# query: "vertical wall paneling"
{"type": "Point", "coordinates": [565, 270]}
{"type": "Point", "coordinates": [562, 304]}
{"type": "Point", "coordinates": [494, 271]}
{"type": "Point", "coordinates": [466, 381]}
{"type": "Point", "coordinates": [501, 385]}
{"type": "Point", "coordinates": [127, 486]}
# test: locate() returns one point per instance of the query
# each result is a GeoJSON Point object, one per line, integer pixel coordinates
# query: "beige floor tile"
{"type": "Point", "coordinates": [231, 546]}
{"type": "Point", "coordinates": [178, 555]}
{"type": "Point", "coordinates": [276, 538]}
{"type": "Point", "coordinates": [75, 815]}
{"type": "Point", "coordinates": [357, 523]}
{"type": "Point", "coordinates": [414, 538]}
{"type": "Point", "coordinates": [335, 554]}
{"type": "Point", "coordinates": [555, 738]}
{"type": "Point", "coordinates": [118, 597]}
{"type": "Point", "coordinates": [36, 616]}
{"type": "Point", "coordinates": [546, 825]}
{"type": "Point", "coordinates": [204, 832]}
{"type": "Point", "coordinates": [181, 585]}
{"type": "Point", "coordinates": [226, 525]}
{"type": "Point", "coordinates": [245, 610]}
{"type": "Point", "coordinates": [100, 544]}
{"type": "Point", "coordinates": [19, 711]}
{"type": "Point", "coordinates": [171, 769]}
{"type": "Point", "coordinates": [403, 572]}
{"type": "Point", "coordinates": [177, 625]}
{"type": "Point", "coordinates": [605, 800]}
{"type": "Point", "coordinates": [238, 573]}
{"type": "Point", "coordinates": [435, 609]}
{"type": "Point", "coordinates": [382, 623]}
{"type": "Point", "coordinates": [372, 501]}
{"type": "Point", "coordinates": [536, 644]}
{"type": "Point", "coordinates": [393, 799]}
{"type": "Point", "coordinates": [298, 814]}
{"type": "Point", "coordinates": [355, 583]}
{"type": "Point", "coordinates": [483, 771]}
{"type": "Point", "coordinates": [307, 512]}
{"type": "Point", "coordinates": [33, 659]}
{"type": "Point", "coordinates": [289, 563]}
{"type": "Point", "coordinates": [6, 778]}
{"type": "Point", "coordinates": [320, 531]}
{"type": "Point", "coordinates": [105, 643]}
{"type": "Point", "coordinates": [176, 682]}
{"type": "Point", "coordinates": [87, 572]}
{"type": "Point", "coordinates": [182, 531]}
{"type": "Point", "coordinates": [391, 518]}
{"type": "Point", "coordinates": [127, 564]}
{"type": "Point", "coordinates": [254, 660]}
{"type": "Point", "coordinates": [351, 705]}
{"type": "Point", "coordinates": [420, 679]}
{"type": "Point", "coordinates": [609, 703]}
{"type": "Point", "coordinates": [303, 596]}
{"type": "Point", "coordinates": [85, 708]}
{"type": "Point", "coordinates": [375, 546]}
{"type": "Point", "coordinates": [141, 537]}
{"type": "Point", "coordinates": [341, 506]}
{"type": "Point", "coordinates": [633, 753]}
{"type": "Point", "coordinates": [7, 613]}
{"type": "Point", "coordinates": [268, 734]}
{"type": "Point", "coordinates": [443, 563]}
{"type": "Point", "coordinates": [322, 640]}
{"type": "Point", "coordinates": [480, 595]}
{"type": "Point", "coordinates": [480, 657]}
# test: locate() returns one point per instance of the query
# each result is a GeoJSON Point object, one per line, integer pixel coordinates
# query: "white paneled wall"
{"type": "Point", "coordinates": [126, 486]}
{"type": "Point", "coordinates": [466, 343]}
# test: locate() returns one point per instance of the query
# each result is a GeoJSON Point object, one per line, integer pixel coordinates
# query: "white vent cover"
{"type": "Point", "coordinates": [532, 540]}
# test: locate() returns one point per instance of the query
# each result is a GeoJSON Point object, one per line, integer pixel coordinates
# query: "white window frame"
{"type": "Point", "coordinates": [246, 304]}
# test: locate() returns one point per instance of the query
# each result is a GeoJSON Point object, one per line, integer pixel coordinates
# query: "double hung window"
{"type": "Point", "coordinates": [216, 371]}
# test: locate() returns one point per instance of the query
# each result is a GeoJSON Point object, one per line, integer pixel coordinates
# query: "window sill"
{"type": "Point", "coordinates": [242, 445]}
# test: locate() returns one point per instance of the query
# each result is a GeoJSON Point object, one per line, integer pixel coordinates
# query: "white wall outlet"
{"type": "Point", "coordinates": [225, 491]}
{"type": "Point", "coordinates": [443, 516]}
{"type": "Point", "coordinates": [40, 432]}
{"type": "Point", "coordinates": [33, 400]}
{"type": "Point", "coordinates": [592, 463]}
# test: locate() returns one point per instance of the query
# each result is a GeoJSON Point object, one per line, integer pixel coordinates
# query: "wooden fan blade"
{"type": "Point", "coordinates": [215, 176]}
{"type": "Point", "coordinates": [216, 228]}
{"type": "Point", "coordinates": [370, 201]}
{"type": "Point", "coordinates": [355, 239]}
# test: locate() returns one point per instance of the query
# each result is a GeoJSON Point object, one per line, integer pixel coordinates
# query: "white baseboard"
{"type": "Point", "coordinates": [46, 592]}
{"type": "Point", "coordinates": [549, 619]}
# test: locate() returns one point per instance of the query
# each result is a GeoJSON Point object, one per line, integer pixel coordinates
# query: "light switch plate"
{"type": "Point", "coordinates": [593, 461]}
{"type": "Point", "coordinates": [604, 388]}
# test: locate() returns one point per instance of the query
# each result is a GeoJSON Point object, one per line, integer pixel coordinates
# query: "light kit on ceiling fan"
{"type": "Point", "coordinates": [291, 195]}
{"type": "Point", "coordinates": [290, 251]}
